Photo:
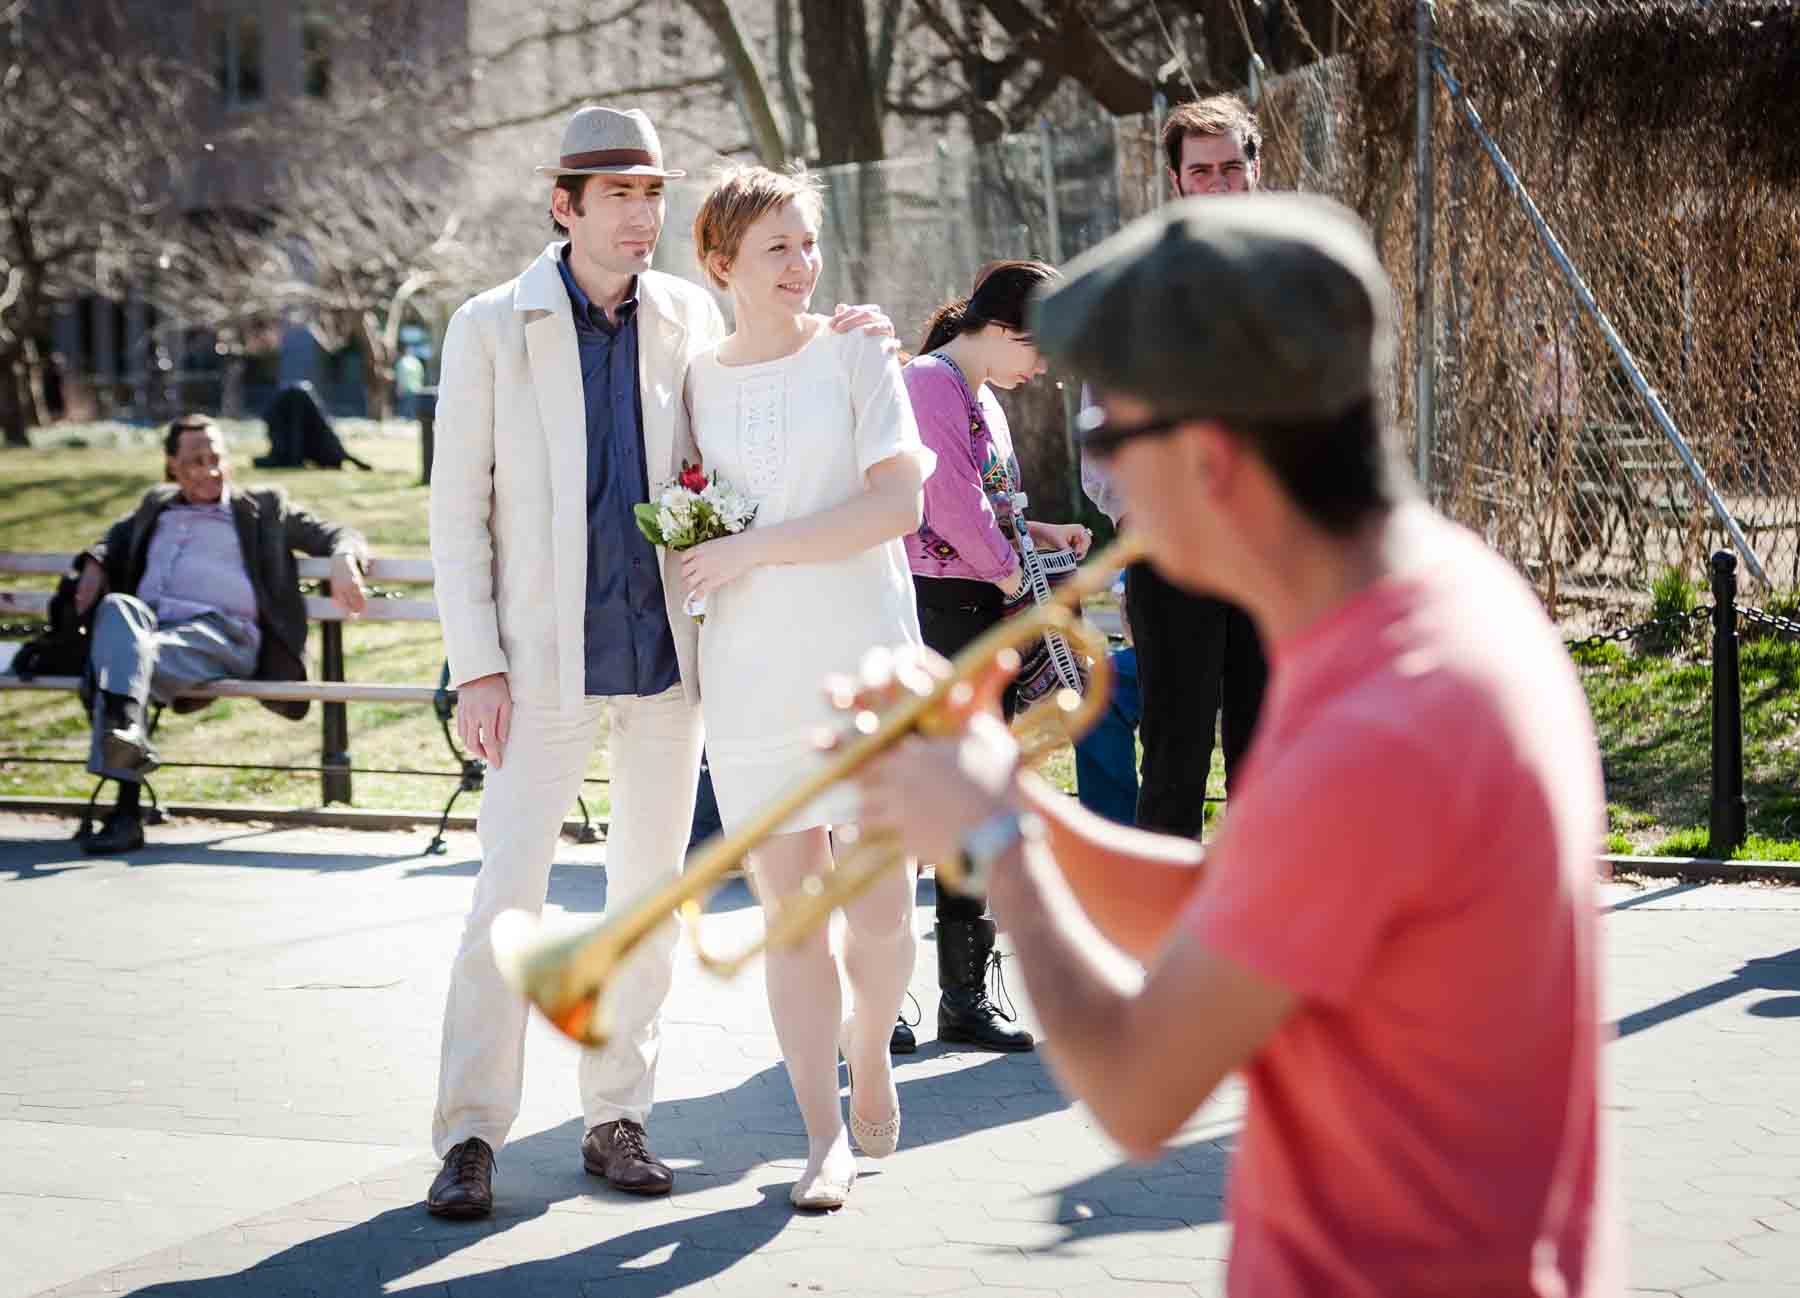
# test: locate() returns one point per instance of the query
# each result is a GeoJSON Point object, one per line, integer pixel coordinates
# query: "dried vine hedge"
{"type": "Point", "coordinates": [1662, 144]}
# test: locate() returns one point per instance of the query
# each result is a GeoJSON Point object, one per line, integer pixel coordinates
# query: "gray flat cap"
{"type": "Point", "coordinates": [1260, 307]}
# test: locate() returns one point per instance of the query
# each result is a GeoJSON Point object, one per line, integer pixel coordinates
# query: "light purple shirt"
{"type": "Point", "coordinates": [196, 566]}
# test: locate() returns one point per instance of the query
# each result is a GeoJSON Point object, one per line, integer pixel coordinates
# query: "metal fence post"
{"type": "Point", "coordinates": [334, 754]}
{"type": "Point", "coordinates": [1728, 820]}
{"type": "Point", "coordinates": [1424, 314]}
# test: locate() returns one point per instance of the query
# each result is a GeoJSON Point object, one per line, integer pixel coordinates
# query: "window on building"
{"type": "Point", "coordinates": [315, 53]}
{"type": "Point", "coordinates": [238, 59]}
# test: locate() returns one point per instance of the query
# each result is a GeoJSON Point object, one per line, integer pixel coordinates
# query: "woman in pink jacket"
{"type": "Point", "coordinates": [965, 561]}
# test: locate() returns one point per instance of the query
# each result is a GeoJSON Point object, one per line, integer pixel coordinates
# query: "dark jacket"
{"type": "Point", "coordinates": [270, 528]}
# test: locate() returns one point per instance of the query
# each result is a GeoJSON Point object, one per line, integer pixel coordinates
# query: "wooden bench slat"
{"type": "Point", "coordinates": [318, 607]}
{"type": "Point", "coordinates": [15, 562]}
{"type": "Point", "coordinates": [418, 570]}
{"type": "Point", "coordinates": [284, 691]}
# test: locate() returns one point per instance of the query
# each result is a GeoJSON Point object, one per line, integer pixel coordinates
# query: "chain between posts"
{"type": "Point", "coordinates": [1669, 621]}
{"type": "Point", "coordinates": [1757, 617]}
{"type": "Point", "coordinates": [1673, 621]}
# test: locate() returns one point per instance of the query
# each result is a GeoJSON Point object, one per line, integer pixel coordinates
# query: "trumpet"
{"type": "Point", "coordinates": [566, 974]}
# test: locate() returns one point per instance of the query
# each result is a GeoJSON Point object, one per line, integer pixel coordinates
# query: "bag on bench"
{"type": "Point", "coordinates": [62, 648]}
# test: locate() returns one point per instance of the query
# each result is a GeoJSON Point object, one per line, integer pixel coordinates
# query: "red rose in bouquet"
{"type": "Point", "coordinates": [692, 476]}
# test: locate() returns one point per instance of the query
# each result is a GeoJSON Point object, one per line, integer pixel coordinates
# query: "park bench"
{"type": "Point", "coordinates": [331, 690]}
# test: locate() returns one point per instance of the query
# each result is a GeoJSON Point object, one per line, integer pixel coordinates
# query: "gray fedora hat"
{"type": "Point", "coordinates": [604, 141]}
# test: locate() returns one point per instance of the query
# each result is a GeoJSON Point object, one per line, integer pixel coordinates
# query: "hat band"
{"type": "Point", "coordinates": [610, 158]}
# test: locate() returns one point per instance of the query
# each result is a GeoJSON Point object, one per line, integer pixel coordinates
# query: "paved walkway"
{"type": "Point", "coordinates": [217, 1061]}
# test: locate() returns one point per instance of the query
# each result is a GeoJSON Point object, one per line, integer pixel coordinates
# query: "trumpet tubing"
{"type": "Point", "coordinates": [566, 974]}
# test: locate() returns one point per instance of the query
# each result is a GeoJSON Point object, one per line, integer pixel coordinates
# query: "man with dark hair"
{"type": "Point", "coordinates": [1393, 937]}
{"type": "Point", "coordinates": [203, 586]}
{"type": "Point", "coordinates": [1197, 656]}
{"type": "Point", "coordinates": [560, 407]}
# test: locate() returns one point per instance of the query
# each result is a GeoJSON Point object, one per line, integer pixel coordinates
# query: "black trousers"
{"type": "Point", "coordinates": [954, 611]}
{"type": "Point", "coordinates": [1196, 655]}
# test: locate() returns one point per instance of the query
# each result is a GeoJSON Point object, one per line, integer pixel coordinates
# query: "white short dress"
{"type": "Point", "coordinates": [797, 435]}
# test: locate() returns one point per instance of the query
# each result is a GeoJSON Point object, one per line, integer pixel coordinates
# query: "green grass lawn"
{"type": "Point", "coordinates": [1654, 716]}
{"type": "Point", "coordinates": [1652, 711]}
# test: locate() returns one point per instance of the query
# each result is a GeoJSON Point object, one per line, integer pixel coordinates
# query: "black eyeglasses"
{"type": "Point", "coordinates": [1094, 433]}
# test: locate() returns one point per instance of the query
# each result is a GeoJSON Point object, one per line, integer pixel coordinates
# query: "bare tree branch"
{"type": "Point", "coordinates": [752, 88]}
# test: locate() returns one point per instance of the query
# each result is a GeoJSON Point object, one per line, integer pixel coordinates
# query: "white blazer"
{"type": "Point", "coordinates": [509, 475]}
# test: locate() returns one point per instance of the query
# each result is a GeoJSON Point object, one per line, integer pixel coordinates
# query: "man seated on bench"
{"type": "Point", "coordinates": [197, 584]}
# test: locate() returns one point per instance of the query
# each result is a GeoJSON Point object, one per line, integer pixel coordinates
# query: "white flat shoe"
{"type": "Point", "coordinates": [819, 1193]}
{"type": "Point", "coordinates": [876, 1139]}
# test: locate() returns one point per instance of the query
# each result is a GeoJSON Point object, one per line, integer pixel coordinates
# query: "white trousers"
{"type": "Point", "coordinates": [655, 761]}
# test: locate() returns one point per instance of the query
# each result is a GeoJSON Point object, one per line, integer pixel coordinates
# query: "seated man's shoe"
{"type": "Point", "coordinates": [620, 1152]}
{"type": "Point", "coordinates": [124, 742]}
{"type": "Point", "coordinates": [464, 1188]}
{"type": "Point", "coordinates": [121, 831]}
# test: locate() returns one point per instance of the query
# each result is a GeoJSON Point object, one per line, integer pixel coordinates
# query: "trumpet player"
{"type": "Point", "coordinates": [1393, 937]}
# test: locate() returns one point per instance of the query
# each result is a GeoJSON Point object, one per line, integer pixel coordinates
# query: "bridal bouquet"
{"type": "Point", "coordinates": [692, 508]}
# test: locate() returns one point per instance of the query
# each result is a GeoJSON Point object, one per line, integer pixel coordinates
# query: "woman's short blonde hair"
{"type": "Point", "coordinates": [741, 196]}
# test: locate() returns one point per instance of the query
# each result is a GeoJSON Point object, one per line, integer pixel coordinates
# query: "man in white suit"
{"type": "Point", "coordinates": [560, 405]}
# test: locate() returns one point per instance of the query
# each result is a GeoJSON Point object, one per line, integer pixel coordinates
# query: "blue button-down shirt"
{"type": "Point", "coordinates": [629, 648]}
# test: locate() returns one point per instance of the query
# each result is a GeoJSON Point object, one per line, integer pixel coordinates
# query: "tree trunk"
{"type": "Point", "coordinates": [378, 371]}
{"type": "Point", "coordinates": [12, 397]}
{"type": "Point", "coordinates": [843, 88]}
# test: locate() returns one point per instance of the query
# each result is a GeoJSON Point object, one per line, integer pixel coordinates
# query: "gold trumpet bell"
{"type": "Point", "coordinates": [542, 966]}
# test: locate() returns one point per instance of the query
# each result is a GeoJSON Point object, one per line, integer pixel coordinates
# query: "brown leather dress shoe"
{"type": "Point", "coordinates": [620, 1152]}
{"type": "Point", "coordinates": [464, 1188]}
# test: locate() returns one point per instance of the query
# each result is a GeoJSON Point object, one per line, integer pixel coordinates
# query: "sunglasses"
{"type": "Point", "coordinates": [1094, 433]}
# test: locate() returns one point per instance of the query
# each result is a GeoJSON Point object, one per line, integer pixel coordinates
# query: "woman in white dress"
{"type": "Point", "coordinates": [817, 429]}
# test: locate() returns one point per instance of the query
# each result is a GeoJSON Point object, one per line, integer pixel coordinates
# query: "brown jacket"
{"type": "Point", "coordinates": [270, 528]}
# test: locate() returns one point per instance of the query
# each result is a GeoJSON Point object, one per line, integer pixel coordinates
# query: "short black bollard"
{"type": "Point", "coordinates": [426, 404]}
{"type": "Point", "coordinates": [334, 782]}
{"type": "Point", "coordinates": [1728, 822]}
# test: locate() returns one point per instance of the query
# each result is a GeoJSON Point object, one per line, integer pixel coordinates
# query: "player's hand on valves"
{"type": "Point", "coordinates": [932, 791]}
{"type": "Point", "coordinates": [484, 716]}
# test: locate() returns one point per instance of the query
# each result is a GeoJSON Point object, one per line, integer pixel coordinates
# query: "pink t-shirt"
{"type": "Point", "coordinates": [1412, 854]}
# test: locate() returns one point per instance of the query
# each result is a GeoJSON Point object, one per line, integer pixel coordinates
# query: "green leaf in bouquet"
{"type": "Point", "coordinates": [645, 514]}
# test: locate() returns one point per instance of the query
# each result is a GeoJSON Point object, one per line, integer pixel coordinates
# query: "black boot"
{"type": "Point", "coordinates": [124, 742]}
{"type": "Point", "coordinates": [964, 1012]}
{"type": "Point", "coordinates": [121, 831]}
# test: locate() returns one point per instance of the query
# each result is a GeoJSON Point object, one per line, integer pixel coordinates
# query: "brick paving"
{"type": "Point", "coordinates": [217, 1062]}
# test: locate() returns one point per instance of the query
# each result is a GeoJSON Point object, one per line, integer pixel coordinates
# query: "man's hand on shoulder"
{"type": "Point", "coordinates": [347, 589]}
{"type": "Point", "coordinates": [870, 319]}
{"type": "Point", "coordinates": [484, 716]}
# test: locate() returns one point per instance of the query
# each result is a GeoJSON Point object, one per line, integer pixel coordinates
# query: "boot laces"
{"type": "Point", "coordinates": [629, 1137]}
{"type": "Point", "coordinates": [918, 1013]}
{"type": "Point", "coordinates": [995, 977]}
{"type": "Point", "coordinates": [473, 1159]}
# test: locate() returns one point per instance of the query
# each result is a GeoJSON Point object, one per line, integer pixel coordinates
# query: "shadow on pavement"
{"type": "Point", "coordinates": [364, 1259]}
{"type": "Point", "coordinates": [1771, 973]}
